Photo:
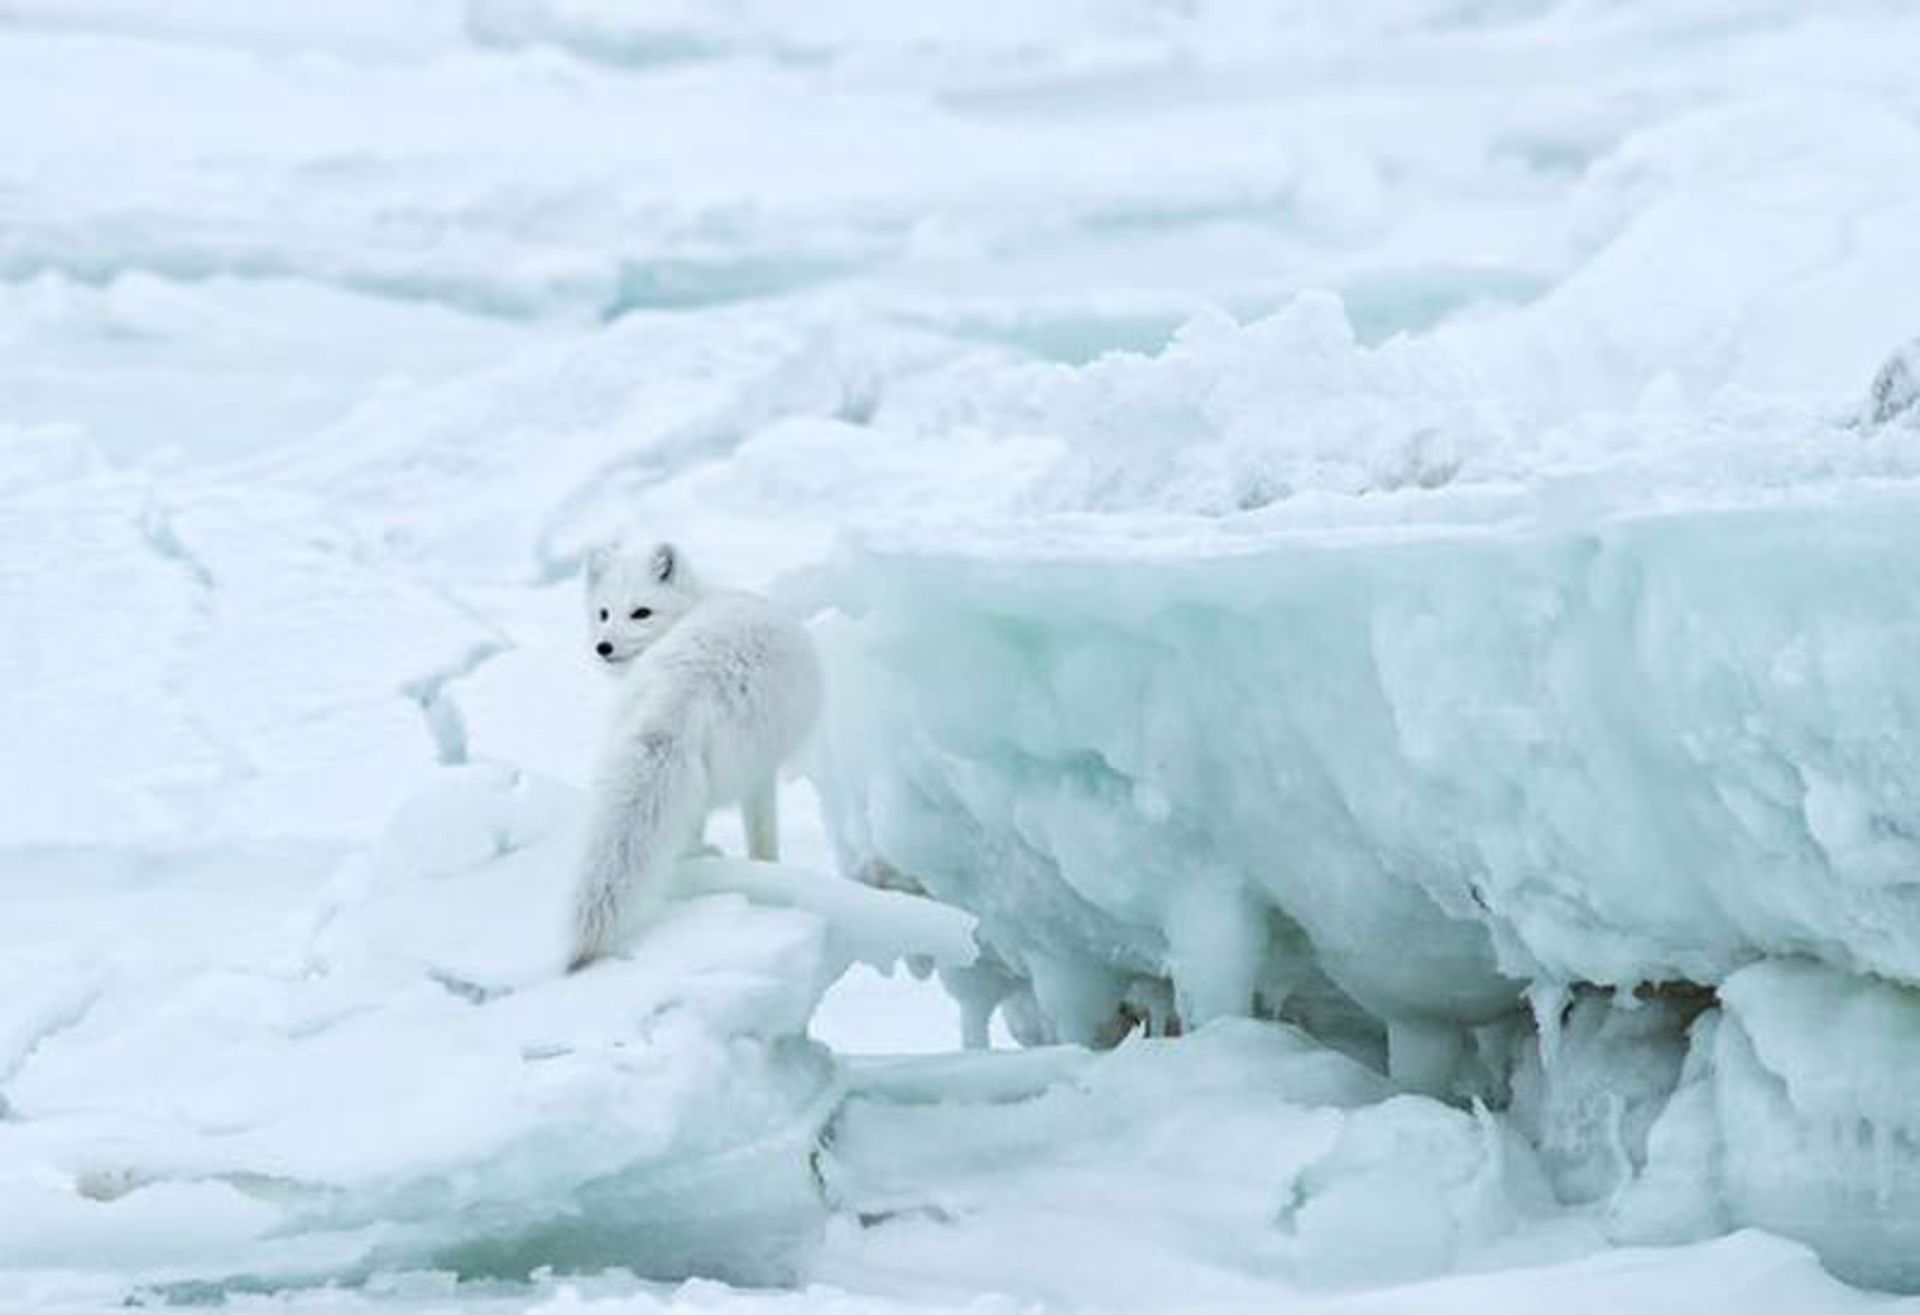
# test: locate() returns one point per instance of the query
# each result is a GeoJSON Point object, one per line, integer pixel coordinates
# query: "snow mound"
{"type": "Point", "coordinates": [1246, 1141]}
{"type": "Point", "coordinates": [400, 1075]}
{"type": "Point", "coordinates": [1230, 418]}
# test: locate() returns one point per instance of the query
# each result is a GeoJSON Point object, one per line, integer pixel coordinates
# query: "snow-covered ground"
{"type": "Point", "coordinates": [1360, 535]}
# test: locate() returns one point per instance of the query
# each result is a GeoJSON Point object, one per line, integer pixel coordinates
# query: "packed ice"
{"type": "Point", "coordinates": [1365, 563]}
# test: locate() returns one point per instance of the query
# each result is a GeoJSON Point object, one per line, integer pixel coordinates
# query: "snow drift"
{"type": "Point", "coordinates": [1381, 521]}
{"type": "Point", "coordinates": [400, 1076]}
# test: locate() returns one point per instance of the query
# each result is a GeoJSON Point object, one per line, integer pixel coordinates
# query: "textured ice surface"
{"type": "Point", "coordinates": [1649, 748]}
{"type": "Point", "coordinates": [1404, 770]}
{"type": "Point", "coordinates": [1383, 517]}
{"type": "Point", "coordinates": [1427, 691]}
{"type": "Point", "coordinates": [1812, 1130]}
{"type": "Point", "coordinates": [1325, 1179]}
{"type": "Point", "coordinates": [395, 1073]}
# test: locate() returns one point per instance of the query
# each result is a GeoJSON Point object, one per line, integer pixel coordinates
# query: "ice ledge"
{"type": "Point", "coordinates": [1450, 795]}
{"type": "Point", "coordinates": [1639, 749]}
{"type": "Point", "coordinates": [400, 1074]}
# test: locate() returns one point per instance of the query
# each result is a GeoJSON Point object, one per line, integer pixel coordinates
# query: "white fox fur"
{"type": "Point", "coordinates": [717, 690]}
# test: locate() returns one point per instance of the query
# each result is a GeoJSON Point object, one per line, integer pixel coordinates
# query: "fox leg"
{"type": "Point", "coordinates": [760, 813]}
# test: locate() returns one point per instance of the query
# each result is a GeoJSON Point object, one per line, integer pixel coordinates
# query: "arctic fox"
{"type": "Point", "coordinates": [717, 690]}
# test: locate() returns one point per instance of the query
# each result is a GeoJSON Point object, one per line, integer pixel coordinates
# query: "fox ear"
{"type": "Point", "coordinates": [599, 559]}
{"type": "Point", "coordinates": [665, 562]}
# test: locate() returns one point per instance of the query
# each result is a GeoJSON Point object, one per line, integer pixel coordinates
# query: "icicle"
{"type": "Point", "coordinates": [1549, 1000]}
{"type": "Point", "coordinates": [1613, 1129]}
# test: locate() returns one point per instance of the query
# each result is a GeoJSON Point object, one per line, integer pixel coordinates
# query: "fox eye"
{"type": "Point", "coordinates": [642, 613]}
{"type": "Point", "coordinates": [603, 614]}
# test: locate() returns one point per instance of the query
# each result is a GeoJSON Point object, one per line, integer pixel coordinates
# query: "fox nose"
{"type": "Point", "coordinates": [603, 648]}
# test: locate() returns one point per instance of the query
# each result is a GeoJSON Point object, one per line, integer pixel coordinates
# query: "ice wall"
{"type": "Point", "coordinates": [1796, 1116]}
{"type": "Point", "coordinates": [1569, 787]}
{"type": "Point", "coordinates": [1651, 748]}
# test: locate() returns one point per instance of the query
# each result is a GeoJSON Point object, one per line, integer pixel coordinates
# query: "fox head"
{"type": "Point", "coordinates": [633, 598]}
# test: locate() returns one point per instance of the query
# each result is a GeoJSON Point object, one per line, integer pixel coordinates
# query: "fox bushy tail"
{"type": "Point", "coordinates": [645, 816]}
